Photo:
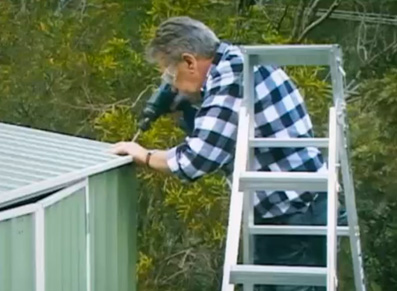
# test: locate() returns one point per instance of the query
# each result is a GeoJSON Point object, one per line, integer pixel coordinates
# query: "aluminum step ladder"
{"type": "Point", "coordinates": [245, 181]}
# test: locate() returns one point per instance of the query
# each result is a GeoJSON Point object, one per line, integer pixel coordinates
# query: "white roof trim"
{"type": "Point", "coordinates": [16, 212]}
{"type": "Point", "coordinates": [52, 199]}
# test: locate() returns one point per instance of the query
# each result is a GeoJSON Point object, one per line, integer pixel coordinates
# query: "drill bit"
{"type": "Point", "coordinates": [136, 135]}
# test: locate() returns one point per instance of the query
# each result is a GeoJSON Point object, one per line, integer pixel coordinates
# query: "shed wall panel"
{"type": "Point", "coordinates": [65, 244]}
{"type": "Point", "coordinates": [17, 254]}
{"type": "Point", "coordinates": [113, 220]}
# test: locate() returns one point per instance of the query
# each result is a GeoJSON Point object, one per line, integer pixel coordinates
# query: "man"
{"type": "Point", "coordinates": [198, 65]}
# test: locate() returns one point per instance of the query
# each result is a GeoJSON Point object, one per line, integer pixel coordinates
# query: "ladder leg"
{"type": "Point", "coordinates": [332, 203]}
{"type": "Point", "coordinates": [352, 218]}
{"type": "Point", "coordinates": [338, 75]}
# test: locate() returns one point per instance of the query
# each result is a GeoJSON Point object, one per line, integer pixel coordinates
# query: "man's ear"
{"type": "Point", "coordinates": [190, 61]}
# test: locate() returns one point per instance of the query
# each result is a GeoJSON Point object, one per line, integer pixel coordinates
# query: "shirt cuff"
{"type": "Point", "coordinates": [173, 157]}
{"type": "Point", "coordinates": [172, 160]}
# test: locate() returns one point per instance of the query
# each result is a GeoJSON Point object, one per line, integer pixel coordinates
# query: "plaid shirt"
{"type": "Point", "coordinates": [279, 112]}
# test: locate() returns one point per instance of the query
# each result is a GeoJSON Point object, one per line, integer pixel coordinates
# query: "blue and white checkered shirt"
{"type": "Point", "coordinates": [279, 112]}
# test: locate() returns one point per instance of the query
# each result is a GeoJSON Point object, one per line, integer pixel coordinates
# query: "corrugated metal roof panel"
{"type": "Point", "coordinates": [34, 161]}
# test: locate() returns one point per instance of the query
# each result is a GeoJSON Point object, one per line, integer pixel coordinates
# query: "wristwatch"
{"type": "Point", "coordinates": [148, 156]}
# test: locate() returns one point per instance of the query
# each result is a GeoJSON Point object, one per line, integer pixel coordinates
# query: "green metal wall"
{"type": "Point", "coordinates": [113, 224]}
{"type": "Point", "coordinates": [65, 244]}
{"type": "Point", "coordinates": [17, 271]}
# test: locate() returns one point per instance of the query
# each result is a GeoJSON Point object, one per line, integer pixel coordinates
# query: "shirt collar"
{"type": "Point", "coordinates": [218, 56]}
{"type": "Point", "coordinates": [220, 51]}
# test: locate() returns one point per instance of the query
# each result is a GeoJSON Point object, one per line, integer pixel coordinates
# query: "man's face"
{"type": "Point", "coordinates": [187, 76]}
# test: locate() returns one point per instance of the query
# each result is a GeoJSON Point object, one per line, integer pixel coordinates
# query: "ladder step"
{"type": "Point", "coordinates": [288, 142]}
{"type": "Point", "coordinates": [295, 230]}
{"type": "Point", "coordinates": [278, 275]}
{"type": "Point", "coordinates": [295, 181]}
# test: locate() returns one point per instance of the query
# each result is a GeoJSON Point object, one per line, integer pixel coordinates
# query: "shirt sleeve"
{"type": "Point", "coordinates": [212, 143]}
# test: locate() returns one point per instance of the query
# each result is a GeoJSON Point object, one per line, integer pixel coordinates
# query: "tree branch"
{"type": "Point", "coordinates": [368, 48]}
{"type": "Point", "coordinates": [331, 9]}
{"type": "Point", "coordinates": [390, 48]}
{"type": "Point", "coordinates": [359, 46]}
{"type": "Point", "coordinates": [23, 6]}
{"type": "Point", "coordinates": [361, 49]}
{"type": "Point", "coordinates": [280, 22]}
{"type": "Point", "coordinates": [61, 5]}
{"type": "Point", "coordinates": [83, 5]}
{"type": "Point", "coordinates": [141, 95]}
{"type": "Point", "coordinates": [308, 14]}
{"type": "Point", "coordinates": [243, 5]}
{"type": "Point", "coordinates": [298, 18]}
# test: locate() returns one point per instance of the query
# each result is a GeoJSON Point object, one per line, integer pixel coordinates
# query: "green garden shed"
{"type": "Point", "coordinates": [67, 214]}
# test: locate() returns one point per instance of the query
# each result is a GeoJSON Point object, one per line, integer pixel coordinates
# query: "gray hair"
{"type": "Point", "coordinates": [179, 35]}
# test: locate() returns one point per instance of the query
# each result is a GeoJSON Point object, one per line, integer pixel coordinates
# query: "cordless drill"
{"type": "Point", "coordinates": [160, 103]}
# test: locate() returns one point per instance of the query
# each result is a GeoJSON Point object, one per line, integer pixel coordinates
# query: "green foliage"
{"type": "Point", "coordinates": [375, 146]}
{"type": "Point", "coordinates": [66, 66]}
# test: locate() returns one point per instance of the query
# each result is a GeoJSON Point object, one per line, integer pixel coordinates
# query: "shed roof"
{"type": "Point", "coordinates": [33, 161]}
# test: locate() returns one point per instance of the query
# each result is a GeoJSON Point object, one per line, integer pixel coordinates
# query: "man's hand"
{"type": "Point", "coordinates": [137, 152]}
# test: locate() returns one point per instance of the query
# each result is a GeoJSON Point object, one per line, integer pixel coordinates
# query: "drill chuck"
{"type": "Point", "coordinates": [158, 104]}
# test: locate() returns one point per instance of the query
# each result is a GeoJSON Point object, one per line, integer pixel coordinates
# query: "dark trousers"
{"type": "Point", "coordinates": [290, 250]}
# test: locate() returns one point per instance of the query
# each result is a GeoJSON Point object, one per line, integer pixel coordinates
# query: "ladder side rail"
{"type": "Point", "coordinates": [236, 202]}
{"type": "Point", "coordinates": [336, 78]}
{"type": "Point", "coordinates": [332, 201]}
{"type": "Point", "coordinates": [240, 164]}
{"type": "Point", "coordinates": [333, 159]}
{"type": "Point", "coordinates": [248, 213]}
{"type": "Point", "coordinates": [347, 176]}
